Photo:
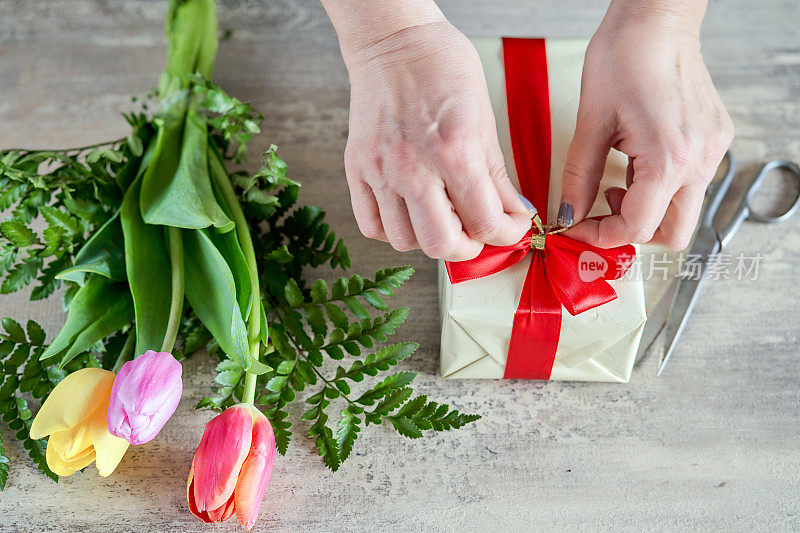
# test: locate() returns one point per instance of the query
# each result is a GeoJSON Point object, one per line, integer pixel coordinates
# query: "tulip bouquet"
{"type": "Point", "coordinates": [162, 253]}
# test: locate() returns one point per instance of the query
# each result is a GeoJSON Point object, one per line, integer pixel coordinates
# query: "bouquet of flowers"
{"type": "Point", "coordinates": [163, 253]}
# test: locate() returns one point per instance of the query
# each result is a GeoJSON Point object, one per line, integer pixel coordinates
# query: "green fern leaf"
{"type": "Point", "coordinates": [346, 433]}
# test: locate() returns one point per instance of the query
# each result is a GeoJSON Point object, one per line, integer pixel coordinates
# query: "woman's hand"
{"type": "Point", "coordinates": [647, 93]}
{"type": "Point", "coordinates": [423, 162]}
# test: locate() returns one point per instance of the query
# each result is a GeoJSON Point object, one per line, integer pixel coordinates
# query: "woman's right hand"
{"type": "Point", "coordinates": [423, 162]}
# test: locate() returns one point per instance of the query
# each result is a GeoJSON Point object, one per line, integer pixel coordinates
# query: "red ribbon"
{"type": "Point", "coordinates": [553, 278]}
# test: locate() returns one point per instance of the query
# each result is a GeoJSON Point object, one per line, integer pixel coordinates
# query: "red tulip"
{"type": "Point", "coordinates": [232, 466]}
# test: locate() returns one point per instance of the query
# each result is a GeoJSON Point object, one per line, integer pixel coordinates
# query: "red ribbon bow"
{"type": "Point", "coordinates": [554, 277]}
{"type": "Point", "coordinates": [553, 280]}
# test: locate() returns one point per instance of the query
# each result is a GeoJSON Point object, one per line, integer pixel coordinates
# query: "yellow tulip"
{"type": "Point", "coordinates": [74, 416]}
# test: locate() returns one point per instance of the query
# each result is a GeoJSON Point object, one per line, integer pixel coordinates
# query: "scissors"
{"type": "Point", "coordinates": [709, 242]}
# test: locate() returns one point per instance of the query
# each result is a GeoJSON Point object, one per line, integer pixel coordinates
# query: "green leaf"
{"type": "Point", "coordinates": [4, 461]}
{"type": "Point", "coordinates": [325, 443]}
{"type": "Point", "coordinates": [6, 347]}
{"type": "Point", "coordinates": [339, 288]}
{"type": "Point", "coordinates": [56, 217]}
{"type": "Point", "coordinates": [21, 275]}
{"type": "Point", "coordinates": [280, 426]}
{"type": "Point", "coordinates": [383, 359]}
{"type": "Point", "coordinates": [258, 368]}
{"type": "Point", "coordinates": [388, 278]}
{"type": "Point", "coordinates": [336, 315]}
{"type": "Point", "coordinates": [18, 357]}
{"type": "Point", "coordinates": [8, 255]}
{"type": "Point", "coordinates": [99, 308]}
{"type": "Point", "coordinates": [394, 381]}
{"type": "Point", "coordinates": [306, 370]}
{"type": "Point", "coordinates": [275, 384]}
{"type": "Point", "coordinates": [103, 254]}
{"type": "Point", "coordinates": [294, 297]}
{"type": "Point", "coordinates": [414, 406]}
{"type": "Point", "coordinates": [230, 249]}
{"type": "Point", "coordinates": [316, 320]}
{"type": "Point", "coordinates": [335, 351]}
{"type": "Point", "coordinates": [148, 271]}
{"type": "Point", "coordinates": [374, 299]}
{"type": "Point", "coordinates": [18, 233]}
{"type": "Point", "coordinates": [100, 154]}
{"type": "Point", "coordinates": [346, 433]}
{"type": "Point", "coordinates": [406, 427]}
{"type": "Point", "coordinates": [10, 194]}
{"type": "Point", "coordinates": [229, 378]}
{"type": "Point", "coordinates": [355, 285]}
{"type": "Point", "coordinates": [286, 367]}
{"type": "Point", "coordinates": [135, 145]}
{"type": "Point", "coordinates": [263, 333]}
{"type": "Point", "coordinates": [35, 333]}
{"type": "Point", "coordinates": [211, 291]}
{"type": "Point", "coordinates": [319, 291]}
{"type": "Point", "coordinates": [48, 280]}
{"type": "Point", "coordinates": [390, 402]}
{"type": "Point", "coordinates": [423, 414]}
{"type": "Point", "coordinates": [14, 331]}
{"type": "Point", "coordinates": [356, 308]}
{"type": "Point", "coordinates": [53, 238]}
{"type": "Point", "coordinates": [280, 255]}
{"type": "Point", "coordinates": [292, 320]}
{"type": "Point", "coordinates": [176, 188]}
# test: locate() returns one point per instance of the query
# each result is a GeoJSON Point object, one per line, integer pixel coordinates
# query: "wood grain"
{"type": "Point", "coordinates": [714, 444]}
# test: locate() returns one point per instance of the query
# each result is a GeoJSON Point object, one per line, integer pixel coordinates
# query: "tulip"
{"type": "Point", "coordinates": [145, 395]}
{"type": "Point", "coordinates": [232, 466]}
{"type": "Point", "coordinates": [74, 416]}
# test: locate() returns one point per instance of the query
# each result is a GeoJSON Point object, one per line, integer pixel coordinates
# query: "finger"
{"type": "Point", "coordinates": [641, 212]}
{"type": "Point", "coordinates": [395, 220]}
{"type": "Point", "coordinates": [438, 229]}
{"type": "Point", "coordinates": [365, 209]}
{"type": "Point", "coordinates": [614, 196]}
{"type": "Point", "coordinates": [629, 172]}
{"type": "Point", "coordinates": [680, 220]}
{"type": "Point", "coordinates": [509, 196]}
{"type": "Point", "coordinates": [478, 205]}
{"type": "Point", "coordinates": [586, 161]}
{"type": "Point", "coordinates": [586, 230]}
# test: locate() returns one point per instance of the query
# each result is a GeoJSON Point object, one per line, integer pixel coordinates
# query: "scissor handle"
{"type": "Point", "coordinates": [745, 212]}
{"type": "Point", "coordinates": [716, 191]}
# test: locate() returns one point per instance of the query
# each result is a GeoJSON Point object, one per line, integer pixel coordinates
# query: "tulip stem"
{"type": "Point", "coordinates": [126, 351]}
{"type": "Point", "coordinates": [176, 300]}
{"type": "Point", "coordinates": [222, 180]}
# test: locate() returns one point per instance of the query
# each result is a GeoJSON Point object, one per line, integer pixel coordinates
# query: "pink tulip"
{"type": "Point", "coordinates": [145, 394]}
{"type": "Point", "coordinates": [232, 466]}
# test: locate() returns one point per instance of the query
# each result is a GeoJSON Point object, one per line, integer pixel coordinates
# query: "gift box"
{"type": "Point", "coordinates": [548, 307]}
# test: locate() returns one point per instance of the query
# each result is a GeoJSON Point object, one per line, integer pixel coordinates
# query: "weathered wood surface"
{"type": "Point", "coordinates": [713, 444]}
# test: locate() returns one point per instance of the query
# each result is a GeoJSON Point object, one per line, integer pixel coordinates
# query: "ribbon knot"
{"type": "Point", "coordinates": [540, 231]}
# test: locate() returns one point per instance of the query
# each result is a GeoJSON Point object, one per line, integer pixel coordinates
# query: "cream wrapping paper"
{"type": "Point", "coordinates": [477, 315]}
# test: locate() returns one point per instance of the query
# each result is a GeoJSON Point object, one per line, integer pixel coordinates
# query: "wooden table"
{"type": "Point", "coordinates": [713, 444]}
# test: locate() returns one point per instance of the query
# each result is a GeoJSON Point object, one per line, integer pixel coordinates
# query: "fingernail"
{"type": "Point", "coordinates": [528, 205]}
{"type": "Point", "coordinates": [565, 215]}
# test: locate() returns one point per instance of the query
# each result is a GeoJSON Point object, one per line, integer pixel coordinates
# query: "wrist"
{"type": "Point", "coordinates": [366, 28]}
{"type": "Point", "coordinates": [681, 17]}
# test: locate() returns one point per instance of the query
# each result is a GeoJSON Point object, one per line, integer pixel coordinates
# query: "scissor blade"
{"type": "Point", "coordinates": [705, 245]}
{"type": "Point", "coordinates": [656, 320]}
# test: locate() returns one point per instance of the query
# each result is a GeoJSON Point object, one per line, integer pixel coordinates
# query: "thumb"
{"type": "Point", "coordinates": [586, 161]}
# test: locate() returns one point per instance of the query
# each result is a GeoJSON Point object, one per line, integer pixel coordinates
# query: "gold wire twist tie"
{"type": "Point", "coordinates": [540, 231]}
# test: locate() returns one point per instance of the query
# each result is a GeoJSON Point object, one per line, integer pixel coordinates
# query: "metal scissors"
{"type": "Point", "coordinates": [709, 242]}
